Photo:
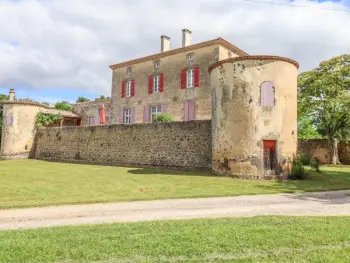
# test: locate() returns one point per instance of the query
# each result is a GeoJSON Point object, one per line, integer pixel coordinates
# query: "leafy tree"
{"type": "Point", "coordinates": [163, 117]}
{"type": "Point", "coordinates": [82, 99]}
{"type": "Point", "coordinates": [100, 98]}
{"type": "Point", "coordinates": [63, 105]}
{"type": "Point", "coordinates": [324, 99]}
{"type": "Point", "coordinates": [306, 129]}
{"type": "Point", "coordinates": [2, 97]}
{"type": "Point", "coordinates": [45, 119]}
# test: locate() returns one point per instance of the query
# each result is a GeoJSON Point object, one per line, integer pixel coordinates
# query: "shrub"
{"type": "Point", "coordinates": [315, 164]}
{"type": "Point", "coordinates": [163, 117]}
{"type": "Point", "coordinates": [305, 158]}
{"type": "Point", "coordinates": [298, 171]}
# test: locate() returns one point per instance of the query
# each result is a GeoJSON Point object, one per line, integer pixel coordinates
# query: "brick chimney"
{"type": "Point", "coordinates": [164, 43]}
{"type": "Point", "coordinates": [186, 37]}
{"type": "Point", "coordinates": [12, 94]}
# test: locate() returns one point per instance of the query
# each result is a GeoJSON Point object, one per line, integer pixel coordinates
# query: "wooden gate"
{"type": "Point", "coordinates": [270, 156]}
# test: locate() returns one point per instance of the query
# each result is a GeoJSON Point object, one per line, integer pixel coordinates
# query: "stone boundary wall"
{"type": "Point", "coordinates": [172, 144]}
{"type": "Point", "coordinates": [319, 148]}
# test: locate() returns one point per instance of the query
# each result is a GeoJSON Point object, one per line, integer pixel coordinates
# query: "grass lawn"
{"type": "Point", "coordinates": [257, 239]}
{"type": "Point", "coordinates": [26, 183]}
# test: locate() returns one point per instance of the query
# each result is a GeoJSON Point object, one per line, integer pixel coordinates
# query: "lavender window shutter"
{"type": "Point", "coordinates": [267, 94]}
{"type": "Point", "coordinates": [121, 115]}
{"type": "Point", "coordinates": [163, 108]}
{"type": "Point", "coordinates": [132, 115]}
{"type": "Point", "coordinates": [186, 110]}
{"type": "Point", "coordinates": [193, 102]}
{"type": "Point", "coordinates": [146, 114]}
{"type": "Point", "coordinates": [9, 120]}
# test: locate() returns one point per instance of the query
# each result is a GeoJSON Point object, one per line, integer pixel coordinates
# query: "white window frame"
{"type": "Point", "coordinates": [156, 83]}
{"type": "Point", "coordinates": [190, 78]}
{"type": "Point", "coordinates": [154, 110]}
{"type": "Point", "coordinates": [128, 89]}
{"type": "Point", "coordinates": [127, 116]}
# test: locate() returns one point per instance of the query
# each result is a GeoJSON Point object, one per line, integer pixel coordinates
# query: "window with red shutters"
{"type": "Point", "coordinates": [132, 88]}
{"type": "Point", "coordinates": [150, 84]}
{"type": "Point", "coordinates": [196, 76]}
{"type": "Point", "coordinates": [161, 82]}
{"type": "Point", "coordinates": [183, 79]}
{"type": "Point", "coordinates": [123, 88]}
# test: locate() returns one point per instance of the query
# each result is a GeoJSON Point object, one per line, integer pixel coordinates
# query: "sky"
{"type": "Point", "coordinates": [53, 50]}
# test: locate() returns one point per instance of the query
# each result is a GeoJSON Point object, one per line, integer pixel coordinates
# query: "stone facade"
{"type": "Point", "coordinates": [318, 148]}
{"type": "Point", "coordinates": [173, 144]}
{"type": "Point", "coordinates": [242, 126]}
{"type": "Point", "coordinates": [173, 97]}
{"type": "Point", "coordinates": [91, 109]}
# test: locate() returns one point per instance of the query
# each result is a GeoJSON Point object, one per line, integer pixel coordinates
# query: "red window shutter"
{"type": "Point", "coordinates": [161, 82]}
{"type": "Point", "coordinates": [132, 88]}
{"type": "Point", "coordinates": [196, 76]}
{"type": "Point", "coordinates": [123, 89]}
{"type": "Point", "coordinates": [150, 84]}
{"type": "Point", "coordinates": [183, 79]}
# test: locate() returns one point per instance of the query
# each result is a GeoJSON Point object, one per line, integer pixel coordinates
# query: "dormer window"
{"type": "Point", "coordinates": [157, 64]}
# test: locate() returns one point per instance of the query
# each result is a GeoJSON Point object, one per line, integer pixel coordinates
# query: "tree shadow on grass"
{"type": "Point", "coordinates": [319, 182]}
{"type": "Point", "coordinates": [160, 171]}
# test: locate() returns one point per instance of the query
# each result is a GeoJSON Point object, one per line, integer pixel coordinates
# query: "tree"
{"type": "Point", "coordinates": [100, 98]}
{"type": "Point", "coordinates": [2, 97]}
{"type": "Point", "coordinates": [306, 129]}
{"type": "Point", "coordinates": [63, 105]}
{"type": "Point", "coordinates": [82, 99]}
{"type": "Point", "coordinates": [324, 99]}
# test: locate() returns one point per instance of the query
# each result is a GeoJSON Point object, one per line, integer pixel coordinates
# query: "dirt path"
{"type": "Point", "coordinates": [311, 204]}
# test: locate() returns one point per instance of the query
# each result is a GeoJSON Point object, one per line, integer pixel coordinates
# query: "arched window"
{"type": "Point", "coordinates": [267, 94]}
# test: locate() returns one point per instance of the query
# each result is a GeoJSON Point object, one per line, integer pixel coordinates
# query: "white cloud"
{"type": "Point", "coordinates": [48, 44]}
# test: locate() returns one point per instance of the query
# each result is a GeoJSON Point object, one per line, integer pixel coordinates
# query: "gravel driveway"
{"type": "Point", "coordinates": [307, 204]}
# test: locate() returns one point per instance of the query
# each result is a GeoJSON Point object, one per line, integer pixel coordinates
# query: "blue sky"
{"type": "Point", "coordinates": [59, 50]}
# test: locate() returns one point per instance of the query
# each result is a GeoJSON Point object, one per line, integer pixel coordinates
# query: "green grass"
{"type": "Point", "coordinates": [257, 239]}
{"type": "Point", "coordinates": [25, 183]}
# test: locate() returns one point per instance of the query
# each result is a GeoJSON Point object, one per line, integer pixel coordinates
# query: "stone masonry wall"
{"type": "Point", "coordinates": [319, 148]}
{"type": "Point", "coordinates": [173, 144]}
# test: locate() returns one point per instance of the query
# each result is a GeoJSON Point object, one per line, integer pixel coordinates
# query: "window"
{"type": "Point", "coordinates": [128, 89]}
{"type": "Point", "coordinates": [267, 94]}
{"type": "Point", "coordinates": [127, 116]}
{"type": "Point", "coordinates": [190, 78]}
{"type": "Point", "coordinates": [9, 119]}
{"type": "Point", "coordinates": [156, 84]}
{"type": "Point", "coordinates": [128, 70]}
{"type": "Point", "coordinates": [157, 65]}
{"type": "Point", "coordinates": [154, 111]}
{"type": "Point", "coordinates": [91, 120]}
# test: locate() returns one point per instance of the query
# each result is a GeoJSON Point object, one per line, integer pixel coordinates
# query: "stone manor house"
{"type": "Point", "coordinates": [249, 103]}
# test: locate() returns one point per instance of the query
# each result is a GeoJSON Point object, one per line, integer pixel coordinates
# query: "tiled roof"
{"type": "Point", "coordinates": [218, 41]}
{"type": "Point", "coordinates": [255, 57]}
{"type": "Point", "coordinates": [46, 109]}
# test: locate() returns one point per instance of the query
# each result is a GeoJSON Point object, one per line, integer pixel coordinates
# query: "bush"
{"type": "Point", "coordinates": [315, 164]}
{"type": "Point", "coordinates": [305, 158]}
{"type": "Point", "coordinates": [163, 117]}
{"type": "Point", "coordinates": [298, 171]}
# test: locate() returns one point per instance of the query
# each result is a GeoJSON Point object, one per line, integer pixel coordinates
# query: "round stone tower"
{"type": "Point", "coordinates": [254, 116]}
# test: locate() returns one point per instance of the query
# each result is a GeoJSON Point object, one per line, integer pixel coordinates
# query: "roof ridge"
{"type": "Point", "coordinates": [219, 41]}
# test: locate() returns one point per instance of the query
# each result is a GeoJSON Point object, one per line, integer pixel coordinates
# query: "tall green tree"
{"type": "Point", "coordinates": [2, 97]}
{"type": "Point", "coordinates": [82, 99]}
{"type": "Point", "coordinates": [63, 105]}
{"type": "Point", "coordinates": [324, 99]}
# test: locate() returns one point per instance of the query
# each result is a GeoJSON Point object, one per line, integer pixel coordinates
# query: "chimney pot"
{"type": "Point", "coordinates": [164, 43]}
{"type": "Point", "coordinates": [12, 94]}
{"type": "Point", "coordinates": [186, 37]}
